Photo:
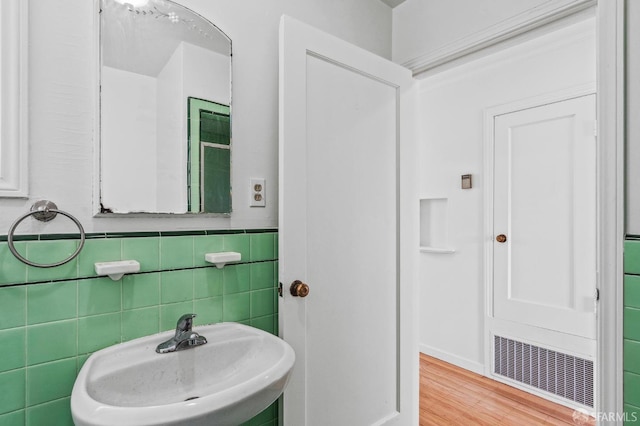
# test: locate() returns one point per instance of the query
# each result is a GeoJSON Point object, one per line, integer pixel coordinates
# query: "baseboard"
{"type": "Point", "coordinates": [459, 361]}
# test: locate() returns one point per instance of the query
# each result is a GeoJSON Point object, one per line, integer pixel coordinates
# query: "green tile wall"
{"type": "Point", "coordinates": [631, 331]}
{"type": "Point", "coordinates": [53, 319]}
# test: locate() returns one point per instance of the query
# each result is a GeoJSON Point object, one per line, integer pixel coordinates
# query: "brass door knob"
{"type": "Point", "coordinates": [299, 289]}
{"type": "Point", "coordinates": [501, 238]}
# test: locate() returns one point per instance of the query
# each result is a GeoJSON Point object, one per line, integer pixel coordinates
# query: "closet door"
{"type": "Point", "coordinates": [544, 218]}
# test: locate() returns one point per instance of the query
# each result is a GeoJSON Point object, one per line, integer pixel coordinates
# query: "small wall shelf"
{"type": "Point", "coordinates": [434, 223]}
{"type": "Point", "coordinates": [222, 258]}
{"type": "Point", "coordinates": [115, 270]}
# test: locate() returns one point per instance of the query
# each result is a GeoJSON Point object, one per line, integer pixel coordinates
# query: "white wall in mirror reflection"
{"type": "Point", "coordinates": [144, 120]}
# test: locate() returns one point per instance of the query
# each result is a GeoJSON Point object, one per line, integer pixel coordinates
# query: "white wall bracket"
{"type": "Point", "coordinates": [222, 258]}
{"type": "Point", "coordinates": [115, 270]}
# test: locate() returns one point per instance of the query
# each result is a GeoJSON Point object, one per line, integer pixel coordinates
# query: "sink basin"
{"type": "Point", "coordinates": [237, 374]}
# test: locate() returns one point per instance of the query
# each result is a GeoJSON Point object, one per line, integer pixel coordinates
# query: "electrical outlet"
{"type": "Point", "coordinates": [257, 193]}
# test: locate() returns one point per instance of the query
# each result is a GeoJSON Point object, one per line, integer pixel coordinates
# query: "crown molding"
{"type": "Point", "coordinates": [526, 21]}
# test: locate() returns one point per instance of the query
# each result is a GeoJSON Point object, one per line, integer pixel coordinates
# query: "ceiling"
{"type": "Point", "coordinates": [392, 3]}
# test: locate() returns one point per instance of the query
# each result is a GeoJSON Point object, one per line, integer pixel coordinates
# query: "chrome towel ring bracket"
{"type": "Point", "coordinates": [44, 211]}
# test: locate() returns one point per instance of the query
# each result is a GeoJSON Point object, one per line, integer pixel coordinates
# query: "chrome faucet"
{"type": "Point", "coordinates": [184, 338]}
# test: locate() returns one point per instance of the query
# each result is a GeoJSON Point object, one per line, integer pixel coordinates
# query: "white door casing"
{"type": "Point", "coordinates": [345, 219]}
{"type": "Point", "coordinates": [545, 203]}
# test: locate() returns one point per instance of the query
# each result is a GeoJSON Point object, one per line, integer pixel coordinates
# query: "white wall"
{"type": "Point", "coordinates": [135, 162]}
{"type": "Point", "coordinates": [63, 89]}
{"type": "Point", "coordinates": [206, 74]}
{"type": "Point", "coordinates": [451, 144]}
{"type": "Point", "coordinates": [633, 124]}
{"type": "Point", "coordinates": [171, 155]}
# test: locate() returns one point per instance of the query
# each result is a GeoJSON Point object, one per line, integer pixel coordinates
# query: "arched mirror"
{"type": "Point", "coordinates": [165, 110]}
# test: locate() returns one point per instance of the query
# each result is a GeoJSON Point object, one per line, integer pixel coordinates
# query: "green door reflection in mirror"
{"type": "Point", "coordinates": [209, 168]}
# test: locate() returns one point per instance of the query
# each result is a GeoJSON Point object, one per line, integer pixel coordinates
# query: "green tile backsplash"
{"type": "Point", "coordinates": [53, 319]}
{"type": "Point", "coordinates": [631, 331]}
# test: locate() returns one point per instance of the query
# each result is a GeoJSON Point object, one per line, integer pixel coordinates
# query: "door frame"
{"type": "Point", "coordinates": [488, 232]}
{"type": "Point", "coordinates": [610, 114]}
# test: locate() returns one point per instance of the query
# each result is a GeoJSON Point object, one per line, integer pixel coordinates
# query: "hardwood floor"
{"type": "Point", "coordinates": [450, 395]}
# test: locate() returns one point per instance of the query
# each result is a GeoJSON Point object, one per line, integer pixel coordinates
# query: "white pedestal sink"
{"type": "Point", "coordinates": [237, 374]}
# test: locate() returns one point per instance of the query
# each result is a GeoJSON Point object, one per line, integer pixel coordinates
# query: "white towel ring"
{"type": "Point", "coordinates": [44, 211]}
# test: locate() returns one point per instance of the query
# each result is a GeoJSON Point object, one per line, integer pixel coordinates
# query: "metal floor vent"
{"type": "Point", "coordinates": [560, 374]}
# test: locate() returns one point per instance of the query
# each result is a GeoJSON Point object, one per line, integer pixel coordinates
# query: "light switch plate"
{"type": "Point", "coordinates": [257, 192]}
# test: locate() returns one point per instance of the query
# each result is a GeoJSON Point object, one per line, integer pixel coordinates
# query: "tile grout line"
{"type": "Point", "coordinates": [136, 273]}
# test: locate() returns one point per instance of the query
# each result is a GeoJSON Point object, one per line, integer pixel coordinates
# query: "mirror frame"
{"type": "Point", "coordinates": [98, 210]}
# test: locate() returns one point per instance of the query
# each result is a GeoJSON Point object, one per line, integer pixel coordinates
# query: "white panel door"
{"type": "Point", "coordinates": [342, 225]}
{"type": "Point", "coordinates": [545, 207]}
